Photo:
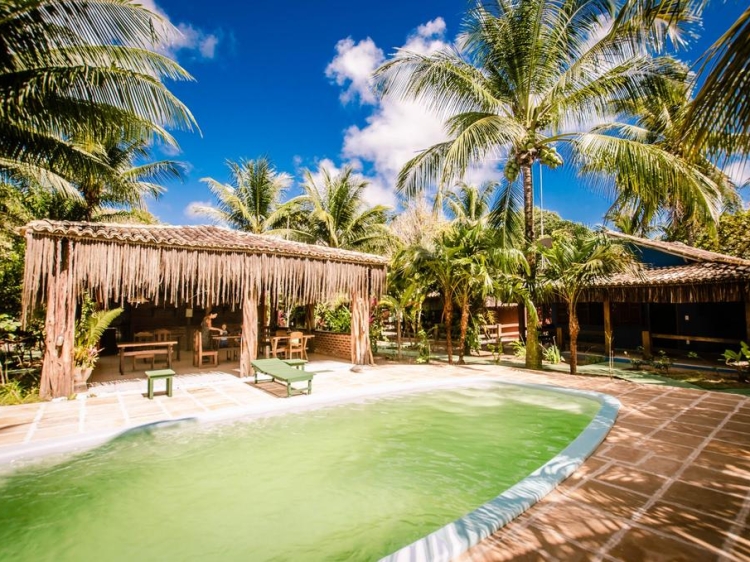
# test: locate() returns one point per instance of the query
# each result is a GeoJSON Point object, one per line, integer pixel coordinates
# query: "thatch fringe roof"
{"type": "Point", "coordinates": [199, 265]}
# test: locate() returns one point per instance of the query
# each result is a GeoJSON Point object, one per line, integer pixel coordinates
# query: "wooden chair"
{"type": "Point", "coordinates": [162, 334]}
{"type": "Point", "coordinates": [199, 355]}
{"type": "Point", "coordinates": [296, 344]}
{"type": "Point", "coordinates": [144, 337]}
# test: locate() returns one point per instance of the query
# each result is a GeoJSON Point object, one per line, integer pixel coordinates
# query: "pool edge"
{"type": "Point", "coordinates": [457, 537]}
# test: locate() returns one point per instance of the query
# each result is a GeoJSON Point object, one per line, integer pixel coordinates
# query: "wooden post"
{"type": "Point", "coordinates": [607, 327]}
{"type": "Point", "coordinates": [360, 330]}
{"type": "Point", "coordinates": [747, 320]}
{"type": "Point", "coordinates": [59, 339]}
{"type": "Point", "coordinates": [249, 349]}
{"type": "Point", "coordinates": [646, 342]}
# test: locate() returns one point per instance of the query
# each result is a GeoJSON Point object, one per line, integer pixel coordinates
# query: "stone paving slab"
{"type": "Point", "coordinates": [670, 482]}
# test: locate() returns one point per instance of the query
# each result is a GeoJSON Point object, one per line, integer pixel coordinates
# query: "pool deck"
{"type": "Point", "coordinates": [670, 482]}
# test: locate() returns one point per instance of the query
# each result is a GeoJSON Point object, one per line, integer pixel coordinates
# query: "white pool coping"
{"type": "Point", "coordinates": [447, 542]}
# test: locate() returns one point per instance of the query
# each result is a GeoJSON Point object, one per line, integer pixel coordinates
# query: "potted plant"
{"type": "Point", "coordinates": [89, 330]}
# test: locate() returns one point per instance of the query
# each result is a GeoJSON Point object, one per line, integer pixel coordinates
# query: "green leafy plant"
{"type": "Point", "coordinates": [740, 360]}
{"type": "Point", "coordinates": [552, 355]}
{"type": "Point", "coordinates": [496, 350]}
{"type": "Point", "coordinates": [15, 392]}
{"type": "Point", "coordinates": [423, 347]}
{"type": "Point", "coordinates": [334, 317]}
{"type": "Point", "coordinates": [662, 361]}
{"type": "Point", "coordinates": [89, 330]}
{"type": "Point", "coordinates": [519, 349]}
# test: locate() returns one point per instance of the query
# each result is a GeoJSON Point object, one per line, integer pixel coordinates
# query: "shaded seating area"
{"type": "Point", "coordinates": [284, 373]}
{"type": "Point", "coordinates": [186, 267]}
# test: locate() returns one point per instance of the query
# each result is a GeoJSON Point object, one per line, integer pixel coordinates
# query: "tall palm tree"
{"type": "Point", "coordinates": [334, 214]}
{"type": "Point", "coordinates": [529, 76]}
{"type": "Point", "coordinates": [252, 201]}
{"type": "Point", "coordinates": [572, 263]}
{"type": "Point", "coordinates": [74, 67]}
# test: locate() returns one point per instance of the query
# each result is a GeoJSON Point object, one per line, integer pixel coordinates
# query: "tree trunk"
{"type": "Point", "coordinates": [360, 347]}
{"type": "Point", "coordinates": [249, 344]}
{"type": "Point", "coordinates": [533, 349]}
{"type": "Point", "coordinates": [59, 328]}
{"type": "Point", "coordinates": [448, 317]}
{"type": "Point", "coordinates": [398, 335]}
{"type": "Point", "coordinates": [464, 326]}
{"type": "Point", "coordinates": [573, 328]}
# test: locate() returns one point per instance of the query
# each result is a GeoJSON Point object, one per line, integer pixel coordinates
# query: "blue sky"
{"type": "Point", "coordinates": [288, 81]}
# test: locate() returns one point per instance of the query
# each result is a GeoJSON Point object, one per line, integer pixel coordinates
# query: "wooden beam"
{"type": "Point", "coordinates": [249, 349]}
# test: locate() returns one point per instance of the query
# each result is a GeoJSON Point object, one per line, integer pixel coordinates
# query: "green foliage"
{"type": "Point", "coordinates": [15, 392]}
{"type": "Point", "coordinates": [662, 361]}
{"type": "Point", "coordinates": [333, 317]}
{"type": "Point", "coordinates": [423, 347]}
{"type": "Point", "coordinates": [552, 355]}
{"type": "Point", "coordinates": [519, 349]}
{"type": "Point", "coordinates": [731, 237]}
{"type": "Point", "coordinates": [89, 330]}
{"type": "Point", "coordinates": [740, 360]}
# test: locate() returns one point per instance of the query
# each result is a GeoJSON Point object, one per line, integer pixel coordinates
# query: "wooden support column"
{"type": "Point", "coordinates": [59, 327]}
{"type": "Point", "coordinates": [361, 354]}
{"type": "Point", "coordinates": [249, 349]}
{"type": "Point", "coordinates": [607, 326]}
{"type": "Point", "coordinates": [310, 317]}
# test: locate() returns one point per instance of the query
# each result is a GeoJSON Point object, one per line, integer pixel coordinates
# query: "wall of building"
{"type": "Point", "coordinates": [333, 345]}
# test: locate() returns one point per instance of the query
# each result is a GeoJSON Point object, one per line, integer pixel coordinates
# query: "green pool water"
{"type": "Point", "coordinates": [348, 482]}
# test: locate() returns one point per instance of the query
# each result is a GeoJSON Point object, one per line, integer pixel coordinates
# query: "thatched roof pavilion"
{"type": "Point", "coordinates": [200, 265]}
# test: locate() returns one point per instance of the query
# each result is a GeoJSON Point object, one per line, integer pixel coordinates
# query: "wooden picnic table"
{"type": "Point", "coordinates": [146, 350]}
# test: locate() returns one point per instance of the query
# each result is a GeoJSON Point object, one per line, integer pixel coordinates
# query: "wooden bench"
{"type": "Point", "coordinates": [145, 354]}
{"type": "Point", "coordinates": [285, 373]}
{"type": "Point", "coordinates": [145, 350]}
{"type": "Point", "coordinates": [160, 374]}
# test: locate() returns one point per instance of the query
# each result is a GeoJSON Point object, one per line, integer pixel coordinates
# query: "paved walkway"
{"type": "Point", "coordinates": [671, 481]}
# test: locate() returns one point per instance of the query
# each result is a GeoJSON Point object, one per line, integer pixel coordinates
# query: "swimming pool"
{"type": "Point", "coordinates": [355, 481]}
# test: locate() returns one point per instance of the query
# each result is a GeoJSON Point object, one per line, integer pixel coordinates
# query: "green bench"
{"type": "Point", "coordinates": [285, 372]}
{"type": "Point", "coordinates": [159, 374]}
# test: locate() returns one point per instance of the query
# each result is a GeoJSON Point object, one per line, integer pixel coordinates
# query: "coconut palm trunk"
{"type": "Point", "coordinates": [574, 328]}
{"type": "Point", "coordinates": [464, 328]}
{"type": "Point", "coordinates": [448, 316]}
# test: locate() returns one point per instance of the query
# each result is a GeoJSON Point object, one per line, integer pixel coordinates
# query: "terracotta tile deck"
{"type": "Point", "coordinates": [670, 482]}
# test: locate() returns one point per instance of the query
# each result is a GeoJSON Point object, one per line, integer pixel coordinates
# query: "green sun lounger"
{"type": "Point", "coordinates": [283, 372]}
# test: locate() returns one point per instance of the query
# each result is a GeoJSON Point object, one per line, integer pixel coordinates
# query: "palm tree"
{"type": "Point", "coordinates": [334, 214]}
{"type": "Point", "coordinates": [661, 120]}
{"type": "Point", "coordinates": [529, 76]}
{"type": "Point", "coordinates": [74, 67]}
{"type": "Point", "coordinates": [573, 263]}
{"type": "Point", "coordinates": [251, 202]}
{"type": "Point", "coordinates": [722, 104]}
{"type": "Point", "coordinates": [119, 191]}
{"type": "Point", "coordinates": [469, 203]}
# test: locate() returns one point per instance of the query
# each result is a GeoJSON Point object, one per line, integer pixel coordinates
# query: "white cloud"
{"type": "Point", "coordinates": [396, 130]}
{"type": "Point", "coordinates": [182, 36]}
{"type": "Point", "coordinates": [354, 63]}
